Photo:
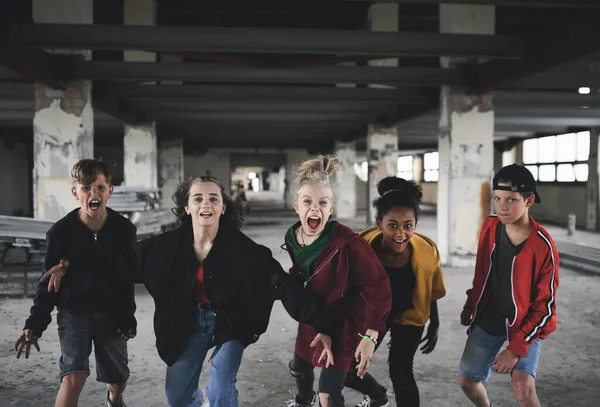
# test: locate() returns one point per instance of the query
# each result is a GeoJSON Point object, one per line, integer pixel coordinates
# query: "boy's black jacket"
{"type": "Point", "coordinates": [97, 278]}
{"type": "Point", "coordinates": [241, 278]}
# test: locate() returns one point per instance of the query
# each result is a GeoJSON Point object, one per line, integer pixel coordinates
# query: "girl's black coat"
{"type": "Point", "coordinates": [241, 278]}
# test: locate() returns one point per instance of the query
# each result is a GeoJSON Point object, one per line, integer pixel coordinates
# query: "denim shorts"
{"type": "Point", "coordinates": [482, 348]}
{"type": "Point", "coordinates": [77, 332]}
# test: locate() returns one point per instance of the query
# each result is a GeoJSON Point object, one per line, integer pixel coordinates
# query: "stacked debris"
{"type": "Point", "coordinates": [134, 199]}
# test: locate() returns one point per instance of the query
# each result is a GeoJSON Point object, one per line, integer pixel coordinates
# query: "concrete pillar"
{"type": "Point", "coordinates": [170, 169]}
{"type": "Point", "coordinates": [512, 156]}
{"type": "Point", "coordinates": [140, 143]}
{"type": "Point", "coordinates": [345, 185]}
{"type": "Point", "coordinates": [498, 158]}
{"type": "Point", "coordinates": [465, 147]}
{"type": "Point", "coordinates": [418, 169]}
{"type": "Point", "coordinates": [140, 161]}
{"type": "Point", "coordinates": [593, 184]}
{"type": "Point", "coordinates": [294, 157]}
{"type": "Point", "coordinates": [382, 155]}
{"type": "Point", "coordinates": [63, 124]}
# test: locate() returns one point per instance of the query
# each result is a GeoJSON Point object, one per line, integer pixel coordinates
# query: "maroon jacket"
{"type": "Point", "coordinates": [356, 291]}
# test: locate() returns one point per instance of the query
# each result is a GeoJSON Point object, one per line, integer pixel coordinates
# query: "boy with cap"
{"type": "Point", "coordinates": [95, 302]}
{"type": "Point", "coordinates": [513, 297]}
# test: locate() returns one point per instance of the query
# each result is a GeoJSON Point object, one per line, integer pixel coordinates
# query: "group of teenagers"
{"type": "Point", "coordinates": [214, 288]}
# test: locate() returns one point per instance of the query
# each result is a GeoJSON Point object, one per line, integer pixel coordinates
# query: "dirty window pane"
{"type": "Point", "coordinates": [534, 171]}
{"type": "Point", "coordinates": [581, 172]}
{"type": "Point", "coordinates": [530, 153]}
{"type": "Point", "coordinates": [565, 173]}
{"type": "Point", "coordinates": [547, 150]}
{"type": "Point", "coordinates": [566, 149]}
{"type": "Point", "coordinates": [547, 173]}
{"type": "Point", "coordinates": [431, 175]}
{"type": "Point", "coordinates": [431, 161]}
{"type": "Point", "coordinates": [583, 146]}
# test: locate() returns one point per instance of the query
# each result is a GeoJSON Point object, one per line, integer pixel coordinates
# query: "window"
{"type": "Point", "coordinates": [561, 158]}
{"type": "Point", "coordinates": [431, 166]}
{"type": "Point", "coordinates": [405, 167]}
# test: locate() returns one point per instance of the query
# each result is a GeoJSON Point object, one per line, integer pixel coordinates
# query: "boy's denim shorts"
{"type": "Point", "coordinates": [481, 350]}
{"type": "Point", "coordinates": [77, 332]}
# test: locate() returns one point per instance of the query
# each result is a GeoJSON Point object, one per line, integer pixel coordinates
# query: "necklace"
{"type": "Point", "coordinates": [302, 236]}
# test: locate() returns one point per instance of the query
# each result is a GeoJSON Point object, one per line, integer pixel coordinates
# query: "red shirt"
{"type": "Point", "coordinates": [199, 293]}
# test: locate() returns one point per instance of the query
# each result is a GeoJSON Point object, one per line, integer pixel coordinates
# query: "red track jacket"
{"type": "Point", "coordinates": [534, 278]}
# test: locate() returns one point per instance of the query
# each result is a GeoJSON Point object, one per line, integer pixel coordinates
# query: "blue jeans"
{"type": "Point", "coordinates": [183, 376]}
{"type": "Point", "coordinates": [481, 350]}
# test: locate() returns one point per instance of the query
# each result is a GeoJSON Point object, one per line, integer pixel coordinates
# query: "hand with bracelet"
{"type": "Point", "coordinates": [364, 351]}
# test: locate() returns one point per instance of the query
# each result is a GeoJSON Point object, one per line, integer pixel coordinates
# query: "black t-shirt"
{"type": "Point", "coordinates": [402, 282]}
{"type": "Point", "coordinates": [492, 319]}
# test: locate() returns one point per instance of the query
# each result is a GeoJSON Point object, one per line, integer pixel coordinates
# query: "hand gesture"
{"type": "Point", "coordinates": [505, 362]}
{"type": "Point", "coordinates": [431, 337]}
{"type": "Point", "coordinates": [327, 354]}
{"type": "Point", "coordinates": [26, 339]}
{"type": "Point", "coordinates": [465, 317]}
{"type": "Point", "coordinates": [363, 355]}
{"type": "Point", "coordinates": [55, 274]}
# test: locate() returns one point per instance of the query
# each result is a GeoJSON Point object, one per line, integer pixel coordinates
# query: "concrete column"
{"type": "Point", "coordinates": [294, 157]}
{"type": "Point", "coordinates": [382, 155]}
{"type": "Point", "coordinates": [140, 161]}
{"type": "Point", "coordinates": [593, 184]}
{"type": "Point", "coordinates": [63, 124]}
{"type": "Point", "coordinates": [170, 169]}
{"type": "Point", "coordinates": [512, 156]}
{"type": "Point", "coordinates": [498, 158]}
{"type": "Point", "coordinates": [140, 142]}
{"type": "Point", "coordinates": [465, 147]}
{"type": "Point", "coordinates": [345, 185]}
{"type": "Point", "coordinates": [418, 169]}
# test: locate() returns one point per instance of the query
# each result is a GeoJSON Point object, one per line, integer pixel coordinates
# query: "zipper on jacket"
{"type": "Point", "coordinates": [512, 292]}
{"type": "Point", "coordinates": [320, 268]}
{"type": "Point", "coordinates": [484, 284]}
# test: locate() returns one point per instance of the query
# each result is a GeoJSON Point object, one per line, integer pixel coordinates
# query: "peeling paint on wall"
{"type": "Point", "coordinates": [382, 154]}
{"type": "Point", "coordinates": [170, 169]}
{"type": "Point", "coordinates": [345, 185]}
{"type": "Point", "coordinates": [61, 138]}
{"type": "Point", "coordinates": [140, 156]}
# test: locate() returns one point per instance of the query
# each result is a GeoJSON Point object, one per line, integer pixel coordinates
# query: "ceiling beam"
{"type": "Point", "coordinates": [213, 73]}
{"type": "Point", "coordinates": [586, 4]}
{"type": "Point", "coordinates": [44, 68]}
{"type": "Point", "coordinates": [263, 93]}
{"type": "Point", "coordinates": [259, 40]}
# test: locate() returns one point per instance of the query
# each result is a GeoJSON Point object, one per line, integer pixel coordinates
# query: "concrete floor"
{"type": "Point", "coordinates": [568, 374]}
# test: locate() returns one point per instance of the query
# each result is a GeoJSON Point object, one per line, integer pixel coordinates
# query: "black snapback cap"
{"type": "Point", "coordinates": [520, 177]}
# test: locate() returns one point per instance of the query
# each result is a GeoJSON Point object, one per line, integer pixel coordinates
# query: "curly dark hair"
{"type": "Point", "coordinates": [397, 192]}
{"type": "Point", "coordinates": [233, 217]}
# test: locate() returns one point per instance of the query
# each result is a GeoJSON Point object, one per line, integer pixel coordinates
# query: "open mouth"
{"type": "Point", "coordinates": [400, 242]}
{"type": "Point", "coordinates": [313, 223]}
{"type": "Point", "coordinates": [206, 215]}
{"type": "Point", "coordinates": [94, 204]}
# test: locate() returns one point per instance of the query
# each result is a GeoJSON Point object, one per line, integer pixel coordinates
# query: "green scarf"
{"type": "Point", "coordinates": [305, 257]}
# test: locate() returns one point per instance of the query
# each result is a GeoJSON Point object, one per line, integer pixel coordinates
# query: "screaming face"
{"type": "Point", "coordinates": [93, 197]}
{"type": "Point", "coordinates": [314, 206]}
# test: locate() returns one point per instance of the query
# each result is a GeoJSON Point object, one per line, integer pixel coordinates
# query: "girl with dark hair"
{"type": "Point", "coordinates": [339, 266]}
{"type": "Point", "coordinates": [412, 263]}
{"type": "Point", "coordinates": [213, 287]}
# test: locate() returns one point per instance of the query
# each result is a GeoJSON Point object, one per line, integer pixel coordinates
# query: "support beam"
{"type": "Point", "coordinates": [382, 155]}
{"type": "Point", "coordinates": [260, 93]}
{"type": "Point", "coordinates": [259, 40]}
{"type": "Point", "coordinates": [584, 4]}
{"type": "Point", "coordinates": [213, 73]}
{"type": "Point", "coordinates": [345, 180]}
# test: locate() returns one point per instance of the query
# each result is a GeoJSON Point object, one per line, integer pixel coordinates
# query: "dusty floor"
{"type": "Point", "coordinates": [568, 374]}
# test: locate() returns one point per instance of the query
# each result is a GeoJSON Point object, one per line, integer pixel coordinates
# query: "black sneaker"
{"type": "Point", "coordinates": [294, 403]}
{"type": "Point", "coordinates": [369, 402]}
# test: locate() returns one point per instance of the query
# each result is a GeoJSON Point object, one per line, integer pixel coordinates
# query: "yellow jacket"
{"type": "Point", "coordinates": [429, 285]}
